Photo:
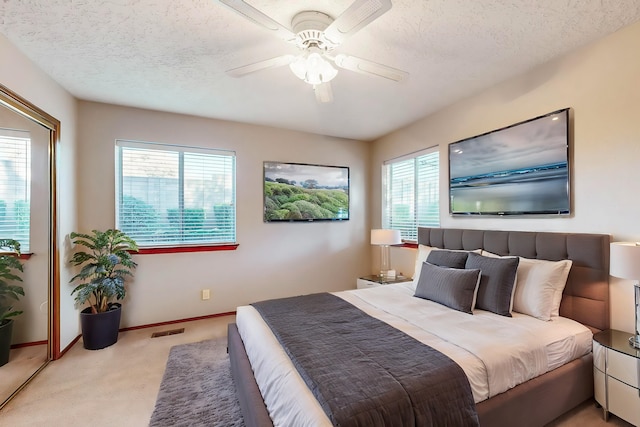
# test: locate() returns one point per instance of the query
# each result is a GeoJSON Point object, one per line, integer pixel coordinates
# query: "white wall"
{"type": "Point", "coordinates": [273, 259]}
{"type": "Point", "coordinates": [600, 82]}
{"type": "Point", "coordinates": [23, 77]}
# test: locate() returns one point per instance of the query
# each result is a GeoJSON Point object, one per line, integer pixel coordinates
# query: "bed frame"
{"type": "Point", "coordinates": [540, 400]}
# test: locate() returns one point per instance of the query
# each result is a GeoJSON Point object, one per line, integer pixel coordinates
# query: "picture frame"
{"type": "Point", "coordinates": [522, 169]}
{"type": "Point", "coordinates": [302, 192]}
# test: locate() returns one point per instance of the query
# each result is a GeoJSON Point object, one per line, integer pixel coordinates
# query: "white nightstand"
{"type": "Point", "coordinates": [373, 281]}
{"type": "Point", "coordinates": [616, 375]}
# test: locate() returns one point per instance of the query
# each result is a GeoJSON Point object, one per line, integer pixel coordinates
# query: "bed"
{"type": "Point", "coordinates": [584, 300]}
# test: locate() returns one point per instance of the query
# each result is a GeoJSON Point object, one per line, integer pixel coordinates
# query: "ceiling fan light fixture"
{"type": "Point", "coordinates": [317, 34]}
{"type": "Point", "coordinates": [313, 69]}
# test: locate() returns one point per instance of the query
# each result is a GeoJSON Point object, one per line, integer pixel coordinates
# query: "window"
{"type": "Point", "coordinates": [411, 193]}
{"type": "Point", "coordinates": [171, 196]}
{"type": "Point", "coordinates": [15, 186]}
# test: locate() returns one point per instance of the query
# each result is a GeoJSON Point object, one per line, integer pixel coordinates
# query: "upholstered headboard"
{"type": "Point", "coordinates": [586, 296]}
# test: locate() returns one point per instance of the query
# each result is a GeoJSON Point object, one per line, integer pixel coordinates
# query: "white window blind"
{"type": "Point", "coordinates": [175, 196]}
{"type": "Point", "coordinates": [15, 186]}
{"type": "Point", "coordinates": [411, 193]}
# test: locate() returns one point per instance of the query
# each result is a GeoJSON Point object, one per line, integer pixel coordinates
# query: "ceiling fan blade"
{"type": "Point", "coordinates": [253, 14]}
{"type": "Point", "coordinates": [323, 92]}
{"type": "Point", "coordinates": [369, 67]}
{"type": "Point", "coordinates": [278, 61]}
{"type": "Point", "coordinates": [352, 20]}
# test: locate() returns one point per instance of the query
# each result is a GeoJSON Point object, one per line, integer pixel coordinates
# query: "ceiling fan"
{"type": "Point", "coordinates": [317, 34]}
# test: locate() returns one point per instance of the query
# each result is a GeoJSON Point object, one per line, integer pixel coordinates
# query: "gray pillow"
{"type": "Point", "coordinates": [452, 287]}
{"type": "Point", "coordinates": [496, 283]}
{"type": "Point", "coordinates": [445, 258]}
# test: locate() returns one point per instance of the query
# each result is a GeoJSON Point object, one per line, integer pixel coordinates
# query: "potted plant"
{"type": "Point", "coordinates": [106, 264]}
{"type": "Point", "coordinates": [10, 265]}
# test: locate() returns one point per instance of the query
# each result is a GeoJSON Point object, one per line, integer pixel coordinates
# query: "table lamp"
{"type": "Point", "coordinates": [384, 238]}
{"type": "Point", "coordinates": [625, 264]}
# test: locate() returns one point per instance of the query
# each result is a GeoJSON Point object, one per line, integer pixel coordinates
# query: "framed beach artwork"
{"type": "Point", "coordinates": [522, 169]}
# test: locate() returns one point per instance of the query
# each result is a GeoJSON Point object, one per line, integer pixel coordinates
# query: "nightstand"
{"type": "Point", "coordinates": [373, 281]}
{"type": "Point", "coordinates": [616, 375]}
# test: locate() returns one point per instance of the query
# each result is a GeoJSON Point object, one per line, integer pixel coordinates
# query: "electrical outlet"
{"type": "Point", "coordinates": [206, 294]}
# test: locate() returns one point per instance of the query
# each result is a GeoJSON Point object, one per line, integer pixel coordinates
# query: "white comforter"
{"type": "Point", "coordinates": [496, 352]}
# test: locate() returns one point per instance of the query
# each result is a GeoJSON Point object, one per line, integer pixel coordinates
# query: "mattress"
{"type": "Point", "coordinates": [495, 352]}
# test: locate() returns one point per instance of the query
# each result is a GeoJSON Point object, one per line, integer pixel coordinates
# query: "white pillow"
{"type": "Point", "coordinates": [563, 267]}
{"type": "Point", "coordinates": [539, 287]}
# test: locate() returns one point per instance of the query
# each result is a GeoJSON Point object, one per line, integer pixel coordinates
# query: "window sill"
{"type": "Point", "coordinates": [180, 249]}
{"type": "Point", "coordinates": [409, 245]}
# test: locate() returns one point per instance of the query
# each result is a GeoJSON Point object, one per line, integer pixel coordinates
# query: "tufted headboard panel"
{"type": "Point", "coordinates": [586, 296]}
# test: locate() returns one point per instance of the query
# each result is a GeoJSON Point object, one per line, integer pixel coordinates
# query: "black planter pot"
{"type": "Point", "coordinates": [6, 329]}
{"type": "Point", "coordinates": [100, 330]}
{"type": "Point", "coordinates": [5, 341]}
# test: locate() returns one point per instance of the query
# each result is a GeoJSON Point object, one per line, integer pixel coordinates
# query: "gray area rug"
{"type": "Point", "coordinates": [197, 389]}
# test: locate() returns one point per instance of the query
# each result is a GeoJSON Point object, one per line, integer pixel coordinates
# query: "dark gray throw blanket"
{"type": "Point", "coordinates": [364, 372]}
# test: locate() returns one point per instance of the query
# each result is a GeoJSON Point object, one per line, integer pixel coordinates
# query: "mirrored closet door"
{"type": "Point", "coordinates": [28, 139]}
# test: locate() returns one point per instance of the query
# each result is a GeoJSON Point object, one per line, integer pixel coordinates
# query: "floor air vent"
{"type": "Point", "coordinates": [165, 333]}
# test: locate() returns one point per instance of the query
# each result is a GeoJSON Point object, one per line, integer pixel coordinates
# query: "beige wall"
{"type": "Point", "coordinates": [21, 76]}
{"type": "Point", "coordinates": [273, 259]}
{"type": "Point", "coordinates": [600, 83]}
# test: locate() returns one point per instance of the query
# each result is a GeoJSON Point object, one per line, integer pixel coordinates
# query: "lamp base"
{"type": "Point", "coordinates": [634, 340]}
{"type": "Point", "coordinates": [386, 275]}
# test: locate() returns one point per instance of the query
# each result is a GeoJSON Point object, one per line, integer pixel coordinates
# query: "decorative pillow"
{"type": "Point", "coordinates": [447, 258]}
{"type": "Point", "coordinates": [515, 282]}
{"type": "Point", "coordinates": [496, 283]}
{"type": "Point", "coordinates": [423, 253]}
{"type": "Point", "coordinates": [539, 287]}
{"type": "Point", "coordinates": [452, 287]}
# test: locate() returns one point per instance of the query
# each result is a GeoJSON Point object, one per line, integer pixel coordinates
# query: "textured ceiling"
{"type": "Point", "coordinates": [172, 55]}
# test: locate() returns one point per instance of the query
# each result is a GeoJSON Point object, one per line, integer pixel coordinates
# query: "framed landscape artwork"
{"type": "Point", "coordinates": [305, 192]}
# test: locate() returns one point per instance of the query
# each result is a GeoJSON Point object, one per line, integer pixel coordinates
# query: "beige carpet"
{"type": "Point", "coordinates": [117, 386]}
{"type": "Point", "coordinates": [23, 362]}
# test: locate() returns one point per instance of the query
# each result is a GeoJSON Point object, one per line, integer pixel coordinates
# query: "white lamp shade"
{"type": "Point", "coordinates": [385, 237]}
{"type": "Point", "coordinates": [625, 260]}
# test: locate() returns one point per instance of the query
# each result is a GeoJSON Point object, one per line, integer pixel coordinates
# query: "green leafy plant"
{"type": "Point", "coordinates": [10, 265]}
{"type": "Point", "coordinates": [105, 265]}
